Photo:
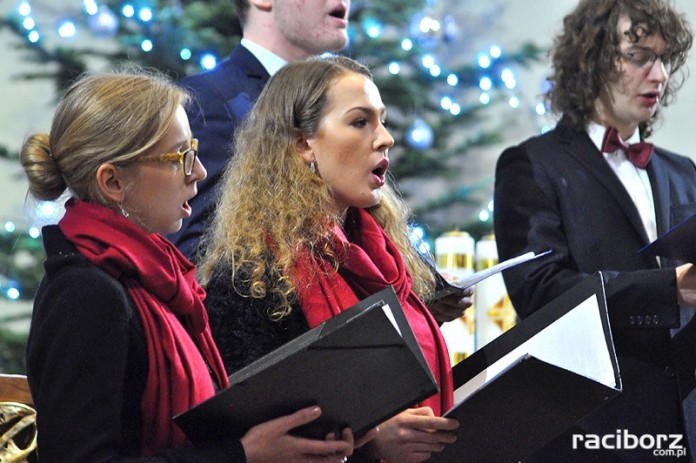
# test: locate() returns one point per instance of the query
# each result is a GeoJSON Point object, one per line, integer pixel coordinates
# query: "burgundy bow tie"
{"type": "Point", "coordinates": [638, 153]}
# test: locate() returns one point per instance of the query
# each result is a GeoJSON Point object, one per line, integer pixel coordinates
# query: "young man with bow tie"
{"type": "Point", "coordinates": [595, 192]}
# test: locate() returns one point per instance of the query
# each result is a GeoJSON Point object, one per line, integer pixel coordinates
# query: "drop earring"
{"type": "Point", "coordinates": [313, 167]}
{"type": "Point", "coordinates": [123, 211]}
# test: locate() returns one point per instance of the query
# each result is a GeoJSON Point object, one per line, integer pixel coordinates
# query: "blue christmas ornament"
{"type": "Point", "coordinates": [420, 135]}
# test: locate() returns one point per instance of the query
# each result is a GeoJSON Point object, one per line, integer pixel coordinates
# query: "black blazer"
{"type": "Point", "coordinates": [223, 97]}
{"type": "Point", "coordinates": [556, 191]}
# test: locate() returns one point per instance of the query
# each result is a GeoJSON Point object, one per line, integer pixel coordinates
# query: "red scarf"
{"type": "Point", "coordinates": [369, 264]}
{"type": "Point", "coordinates": [162, 283]}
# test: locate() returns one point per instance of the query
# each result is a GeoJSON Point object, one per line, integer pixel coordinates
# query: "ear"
{"type": "Point", "coordinates": [303, 145]}
{"type": "Point", "coordinates": [111, 182]}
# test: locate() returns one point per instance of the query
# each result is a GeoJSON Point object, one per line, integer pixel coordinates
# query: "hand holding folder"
{"type": "Point", "coordinates": [361, 367]}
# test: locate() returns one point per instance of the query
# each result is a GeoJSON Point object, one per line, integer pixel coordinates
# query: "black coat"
{"type": "Point", "coordinates": [556, 191]}
{"type": "Point", "coordinates": [87, 367]}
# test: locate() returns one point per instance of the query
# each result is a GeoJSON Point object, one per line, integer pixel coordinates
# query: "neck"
{"type": "Point", "coordinates": [266, 34]}
{"type": "Point", "coordinates": [603, 117]}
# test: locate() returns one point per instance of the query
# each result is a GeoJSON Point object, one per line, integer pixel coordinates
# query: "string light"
{"type": "Point", "coordinates": [208, 61]}
{"type": "Point", "coordinates": [145, 14]}
{"type": "Point", "coordinates": [484, 61]}
{"type": "Point", "coordinates": [28, 23]}
{"type": "Point", "coordinates": [91, 7]}
{"type": "Point", "coordinates": [540, 109]}
{"type": "Point", "coordinates": [67, 29]}
{"type": "Point", "coordinates": [508, 78]}
{"type": "Point", "coordinates": [13, 293]}
{"type": "Point", "coordinates": [128, 11]}
{"type": "Point", "coordinates": [446, 103]}
{"type": "Point", "coordinates": [394, 68]}
{"type": "Point", "coordinates": [24, 9]}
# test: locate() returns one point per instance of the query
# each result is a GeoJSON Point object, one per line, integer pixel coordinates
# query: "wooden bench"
{"type": "Point", "coordinates": [15, 388]}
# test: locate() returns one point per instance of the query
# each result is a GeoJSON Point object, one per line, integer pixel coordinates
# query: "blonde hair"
{"type": "Point", "coordinates": [272, 207]}
{"type": "Point", "coordinates": [103, 118]}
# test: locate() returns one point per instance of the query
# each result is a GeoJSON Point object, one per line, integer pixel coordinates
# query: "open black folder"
{"type": "Point", "coordinates": [676, 243]}
{"type": "Point", "coordinates": [536, 380]}
{"type": "Point", "coordinates": [361, 367]}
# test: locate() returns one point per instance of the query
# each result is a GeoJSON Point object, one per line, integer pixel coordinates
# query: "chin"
{"type": "Point", "coordinates": [377, 201]}
{"type": "Point", "coordinates": [175, 227]}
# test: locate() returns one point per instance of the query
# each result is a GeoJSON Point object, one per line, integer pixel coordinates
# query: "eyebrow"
{"type": "Point", "coordinates": [381, 111]}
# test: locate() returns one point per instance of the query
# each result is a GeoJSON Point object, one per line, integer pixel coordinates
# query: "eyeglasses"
{"type": "Point", "coordinates": [645, 59]}
{"type": "Point", "coordinates": [187, 158]}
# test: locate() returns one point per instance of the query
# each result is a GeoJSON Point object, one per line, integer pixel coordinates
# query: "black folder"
{"type": "Point", "coordinates": [523, 397]}
{"type": "Point", "coordinates": [361, 367]}
{"type": "Point", "coordinates": [676, 243]}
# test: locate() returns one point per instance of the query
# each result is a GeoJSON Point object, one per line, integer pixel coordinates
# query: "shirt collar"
{"type": "Point", "coordinates": [596, 134]}
{"type": "Point", "coordinates": [269, 60]}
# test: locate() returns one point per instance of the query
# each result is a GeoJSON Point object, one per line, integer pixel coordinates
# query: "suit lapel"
{"type": "Point", "coordinates": [661, 196]}
{"type": "Point", "coordinates": [251, 66]}
{"type": "Point", "coordinates": [240, 99]}
{"type": "Point", "coordinates": [579, 146]}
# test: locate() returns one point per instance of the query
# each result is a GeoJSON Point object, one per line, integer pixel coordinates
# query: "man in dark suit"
{"type": "Point", "coordinates": [576, 190]}
{"type": "Point", "coordinates": [274, 32]}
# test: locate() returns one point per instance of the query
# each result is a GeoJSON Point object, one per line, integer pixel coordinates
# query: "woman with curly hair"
{"type": "Point", "coordinates": [307, 225]}
{"type": "Point", "coordinates": [119, 340]}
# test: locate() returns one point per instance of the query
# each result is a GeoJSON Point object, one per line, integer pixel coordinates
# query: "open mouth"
{"type": "Point", "coordinates": [651, 95]}
{"type": "Point", "coordinates": [338, 12]}
{"type": "Point", "coordinates": [381, 168]}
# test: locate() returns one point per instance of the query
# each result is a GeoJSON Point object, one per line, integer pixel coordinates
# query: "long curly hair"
{"type": "Point", "coordinates": [585, 53]}
{"type": "Point", "coordinates": [271, 206]}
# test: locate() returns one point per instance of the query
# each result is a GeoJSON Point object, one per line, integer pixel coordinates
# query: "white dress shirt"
{"type": "Point", "coordinates": [635, 180]}
{"type": "Point", "coordinates": [268, 59]}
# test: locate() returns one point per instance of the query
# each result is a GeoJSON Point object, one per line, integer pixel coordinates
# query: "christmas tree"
{"type": "Point", "coordinates": [437, 90]}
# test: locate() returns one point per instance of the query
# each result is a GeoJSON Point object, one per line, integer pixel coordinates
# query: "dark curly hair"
{"type": "Point", "coordinates": [585, 53]}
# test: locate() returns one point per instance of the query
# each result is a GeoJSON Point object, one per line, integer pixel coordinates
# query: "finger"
{"type": "Point", "coordinates": [437, 423]}
{"type": "Point", "coordinates": [371, 434]}
{"type": "Point", "coordinates": [423, 411]}
{"type": "Point", "coordinates": [430, 423]}
{"type": "Point", "coordinates": [320, 448]}
{"type": "Point", "coordinates": [299, 418]}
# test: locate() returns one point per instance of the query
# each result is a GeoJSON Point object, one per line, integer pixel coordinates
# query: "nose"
{"type": "Point", "coordinates": [659, 71]}
{"type": "Point", "coordinates": [199, 172]}
{"type": "Point", "coordinates": [384, 140]}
